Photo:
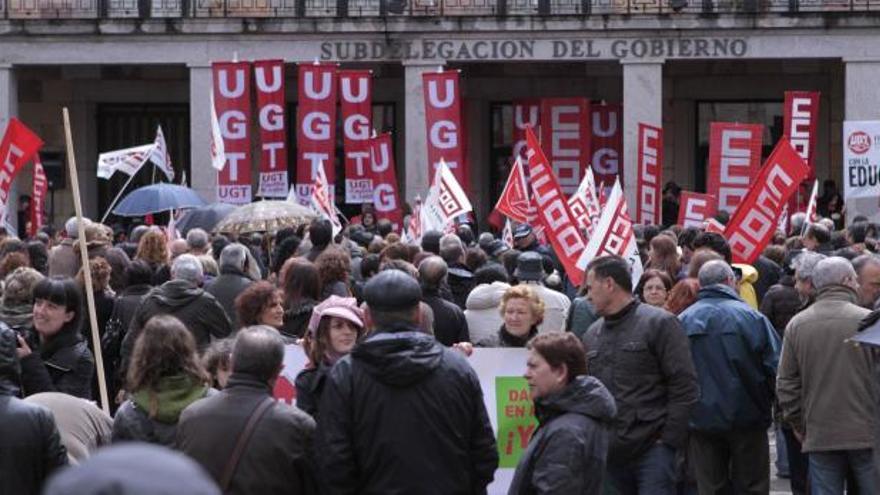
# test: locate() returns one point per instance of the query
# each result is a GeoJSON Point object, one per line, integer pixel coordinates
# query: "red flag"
{"type": "Point", "coordinates": [443, 124]}
{"type": "Point", "coordinates": [734, 160]}
{"type": "Point", "coordinates": [553, 213]}
{"type": "Point", "coordinates": [232, 102]}
{"type": "Point", "coordinates": [606, 142]}
{"type": "Point", "coordinates": [565, 130]}
{"type": "Point", "coordinates": [526, 114]}
{"type": "Point", "coordinates": [695, 208]}
{"type": "Point", "coordinates": [383, 176]}
{"type": "Point", "coordinates": [269, 80]}
{"type": "Point", "coordinates": [316, 127]}
{"type": "Point", "coordinates": [40, 188]}
{"type": "Point", "coordinates": [18, 146]}
{"type": "Point", "coordinates": [356, 110]}
{"type": "Point", "coordinates": [753, 224]}
{"type": "Point", "coordinates": [650, 170]}
{"type": "Point", "coordinates": [514, 200]}
{"type": "Point", "coordinates": [800, 119]}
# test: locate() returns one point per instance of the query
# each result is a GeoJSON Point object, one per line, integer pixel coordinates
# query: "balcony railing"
{"type": "Point", "coordinates": [145, 9]}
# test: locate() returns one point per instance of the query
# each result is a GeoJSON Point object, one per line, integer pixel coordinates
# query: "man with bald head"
{"type": "Point", "coordinates": [825, 385]}
{"type": "Point", "coordinates": [450, 325]}
{"type": "Point", "coordinates": [735, 352]}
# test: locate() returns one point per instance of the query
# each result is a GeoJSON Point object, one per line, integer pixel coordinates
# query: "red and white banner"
{"type": "Point", "coordinates": [446, 200]}
{"type": "Point", "coordinates": [316, 127]}
{"type": "Point", "coordinates": [443, 124]}
{"type": "Point", "coordinates": [559, 224]}
{"type": "Point", "coordinates": [232, 104]}
{"type": "Point", "coordinates": [695, 208]}
{"type": "Point", "coordinates": [19, 145]}
{"type": "Point", "coordinates": [734, 160]}
{"type": "Point", "coordinates": [606, 143]}
{"type": "Point", "coordinates": [753, 224]}
{"type": "Point", "coordinates": [40, 188]}
{"type": "Point", "coordinates": [712, 225]}
{"type": "Point", "coordinates": [269, 79]}
{"type": "Point", "coordinates": [800, 123]}
{"type": "Point", "coordinates": [565, 132]}
{"type": "Point", "coordinates": [526, 114]}
{"type": "Point", "coordinates": [383, 179]}
{"type": "Point", "coordinates": [614, 236]}
{"type": "Point", "coordinates": [650, 170]}
{"type": "Point", "coordinates": [356, 108]}
{"type": "Point", "coordinates": [514, 201]}
{"type": "Point", "coordinates": [584, 204]}
{"type": "Point", "coordinates": [322, 202]}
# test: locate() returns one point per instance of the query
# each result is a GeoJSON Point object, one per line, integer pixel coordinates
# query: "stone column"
{"type": "Point", "coordinates": [861, 102]}
{"type": "Point", "coordinates": [415, 169]}
{"type": "Point", "coordinates": [642, 102]}
{"type": "Point", "coordinates": [9, 109]}
{"type": "Point", "coordinates": [204, 176]}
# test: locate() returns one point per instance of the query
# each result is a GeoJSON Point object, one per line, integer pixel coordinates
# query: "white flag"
{"type": "Point", "coordinates": [127, 161]}
{"type": "Point", "coordinates": [507, 234]}
{"type": "Point", "coordinates": [584, 203]}
{"type": "Point", "coordinates": [445, 201]}
{"type": "Point", "coordinates": [218, 149]}
{"type": "Point", "coordinates": [160, 157]}
{"type": "Point", "coordinates": [812, 215]}
{"type": "Point", "coordinates": [613, 235]}
{"type": "Point", "coordinates": [322, 204]}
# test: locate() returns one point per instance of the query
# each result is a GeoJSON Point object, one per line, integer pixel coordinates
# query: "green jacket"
{"type": "Point", "coordinates": [825, 384]}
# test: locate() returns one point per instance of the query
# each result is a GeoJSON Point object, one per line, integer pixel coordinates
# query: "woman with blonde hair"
{"type": "Point", "coordinates": [152, 249]}
{"type": "Point", "coordinates": [522, 311]}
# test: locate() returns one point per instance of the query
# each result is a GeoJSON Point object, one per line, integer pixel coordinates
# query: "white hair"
{"type": "Point", "coordinates": [187, 267]}
{"type": "Point", "coordinates": [805, 263]}
{"type": "Point", "coordinates": [233, 256]}
{"type": "Point", "coordinates": [832, 271]}
{"type": "Point", "coordinates": [197, 239]}
{"type": "Point", "coordinates": [715, 272]}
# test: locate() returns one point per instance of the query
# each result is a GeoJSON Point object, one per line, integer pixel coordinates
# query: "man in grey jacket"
{"type": "Point", "coordinates": [825, 384]}
{"type": "Point", "coordinates": [640, 353]}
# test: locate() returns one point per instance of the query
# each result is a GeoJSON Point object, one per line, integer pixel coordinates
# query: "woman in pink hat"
{"type": "Point", "coordinates": [335, 327]}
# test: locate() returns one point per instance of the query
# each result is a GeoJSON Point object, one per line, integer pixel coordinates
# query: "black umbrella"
{"type": "Point", "coordinates": [205, 217]}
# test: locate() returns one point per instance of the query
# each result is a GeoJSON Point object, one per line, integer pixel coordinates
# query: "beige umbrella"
{"type": "Point", "coordinates": [265, 216]}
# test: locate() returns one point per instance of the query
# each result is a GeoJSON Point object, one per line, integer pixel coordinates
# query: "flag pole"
{"type": "Point", "coordinates": [118, 195]}
{"type": "Point", "coordinates": [87, 272]}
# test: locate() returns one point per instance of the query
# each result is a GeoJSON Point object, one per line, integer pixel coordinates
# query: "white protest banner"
{"type": "Point", "coordinates": [861, 168]}
{"type": "Point", "coordinates": [128, 160]}
{"type": "Point", "coordinates": [295, 360]}
{"type": "Point", "coordinates": [812, 216]}
{"type": "Point", "coordinates": [614, 235]}
{"type": "Point", "coordinates": [509, 406]}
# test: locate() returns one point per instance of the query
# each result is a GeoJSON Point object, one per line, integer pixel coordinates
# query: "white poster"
{"type": "Point", "coordinates": [861, 168]}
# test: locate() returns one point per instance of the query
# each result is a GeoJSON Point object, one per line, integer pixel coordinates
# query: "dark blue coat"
{"type": "Point", "coordinates": [735, 352]}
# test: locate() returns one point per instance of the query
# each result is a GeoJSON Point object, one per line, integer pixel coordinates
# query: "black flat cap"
{"type": "Point", "coordinates": [392, 290]}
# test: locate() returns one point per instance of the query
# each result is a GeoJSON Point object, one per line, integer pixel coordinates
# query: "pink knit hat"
{"type": "Point", "coordinates": [340, 307]}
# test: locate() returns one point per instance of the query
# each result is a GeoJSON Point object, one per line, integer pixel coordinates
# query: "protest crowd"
{"type": "Point", "coordinates": [671, 383]}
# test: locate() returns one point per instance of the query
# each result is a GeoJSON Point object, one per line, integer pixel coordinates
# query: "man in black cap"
{"type": "Point", "coordinates": [525, 240]}
{"type": "Point", "coordinates": [402, 414]}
